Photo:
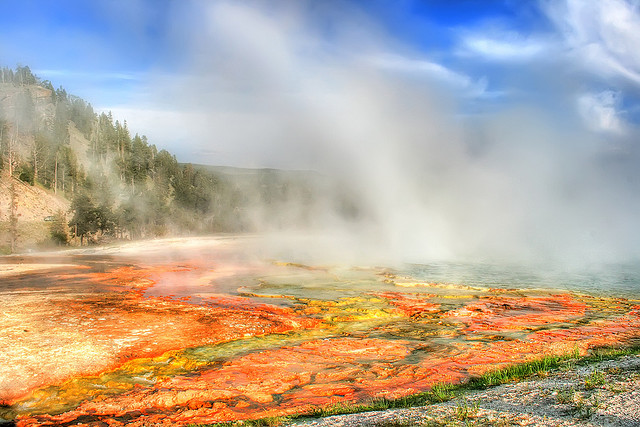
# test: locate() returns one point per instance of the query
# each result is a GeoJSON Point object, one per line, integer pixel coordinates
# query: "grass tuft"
{"type": "Point", "coordinates": [516, 372]}
{"type": "Point", "coordinates": [466, 410]}
{"type": "Point", "coordinates": [585, 408]}
{"type": "Point", "coordinates": [262, 422]}
{"type": "Point", "coordinates": [566, 396]}
{"type": "Point", "coordinates": [594, 379]}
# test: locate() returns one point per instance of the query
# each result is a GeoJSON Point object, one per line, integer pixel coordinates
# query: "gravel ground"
{"type": "Point", "coordinates": [601, 394]}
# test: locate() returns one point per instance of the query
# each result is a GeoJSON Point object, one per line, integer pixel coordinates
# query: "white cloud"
{"type": "Point", "coordinates": [600, 111]}
{"type": "Point", "coordinates": [603, 34]}
{"type": "Point", "coordinates": [163, 127]}
{"type": "Point", "coordinates": [503, 46]}
{"type": "Point", "coordinates": [432, 70]}
{"type": "Point", "coordinates": [89, 76]}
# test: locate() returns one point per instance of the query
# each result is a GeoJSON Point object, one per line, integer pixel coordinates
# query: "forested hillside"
{"type": "Point", "coordinates": [120, 186]}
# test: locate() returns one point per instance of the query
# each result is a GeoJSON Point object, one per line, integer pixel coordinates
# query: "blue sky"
{"type": "Point", "coordinates": [575, 57]}
{"type": "Point", "coordinates": [498, 124]}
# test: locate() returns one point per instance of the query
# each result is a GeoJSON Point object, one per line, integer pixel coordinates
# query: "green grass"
{"type": "Point", "coordinates": [585, 408]}
{"type": "Point", "coordinates": [262, 422]}
{"type": "Point", "coordinates": [466, 410]}
{"type": "Point", "coordinates": [443, 392]}
{"type": "Point", "coordinates": [594, 379]}
{"type": "Point", "coordinates": [517, 372]}
{"type": "Point", "coordinates": [566, 396]}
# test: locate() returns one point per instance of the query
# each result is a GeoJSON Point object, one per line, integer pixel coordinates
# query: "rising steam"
{"type": "Point", "coordinates": [440, 166]}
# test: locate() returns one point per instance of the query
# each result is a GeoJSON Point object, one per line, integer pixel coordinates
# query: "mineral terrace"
{"type": "Point", "coordinates": [193, 338]}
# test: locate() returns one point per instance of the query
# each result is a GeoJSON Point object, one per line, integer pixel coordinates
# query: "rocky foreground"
{"type": "Point", "coordinates": [601, 394]}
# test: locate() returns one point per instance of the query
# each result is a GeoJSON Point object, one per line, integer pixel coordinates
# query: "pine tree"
{"type": "Point", "coordinates": [85, 217]}
{"type": "Point", "coordinates": [59, 229]}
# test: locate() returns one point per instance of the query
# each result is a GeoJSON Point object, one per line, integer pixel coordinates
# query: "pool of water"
{"type": "Point", "coordinates": [621, 280]}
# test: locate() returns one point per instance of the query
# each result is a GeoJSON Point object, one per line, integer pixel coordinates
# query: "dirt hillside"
{"type": "Point", "coordinates": [33, 203]}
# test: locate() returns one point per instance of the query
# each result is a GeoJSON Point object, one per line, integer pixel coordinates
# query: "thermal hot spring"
{"type": "Point", "coordinates": [197, 331]}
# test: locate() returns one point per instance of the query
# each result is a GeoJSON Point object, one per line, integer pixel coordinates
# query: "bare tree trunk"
{"type": "Point", "coordinates": [13, 217]}
{"type": "Point", "coordinates": [12, 143]}
{"type": "Point", "coordinates": [55, 176]}
{"type": "Point", "coordinates": [10, 153]}
{"type": "Point", "coordinates": [35, 162]}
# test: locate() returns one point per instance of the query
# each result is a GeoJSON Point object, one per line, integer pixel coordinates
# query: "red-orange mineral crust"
{"type": "Point", "coordinates": [294, 379]}
{"type": "Point", "coordinates": [117, 327]}
{"type": "Point", "coordinates": [271, 380]}
{"type": "Point", "coordinates": [489, 356]}
{"type": "Point", "coordinates": [410, 305]}
{"type": "Point", "coordinates": [501, 313]}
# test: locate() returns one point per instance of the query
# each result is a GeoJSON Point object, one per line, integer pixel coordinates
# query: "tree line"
{"type": "Point", "coordinates": [123, 188]}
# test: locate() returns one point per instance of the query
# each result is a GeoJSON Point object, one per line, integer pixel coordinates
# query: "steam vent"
{"type": "Point", "coordinates": [178, 334]}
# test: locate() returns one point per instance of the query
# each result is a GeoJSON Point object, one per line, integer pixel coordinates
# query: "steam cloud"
{"type": "Point", "coordinates": [444, 165]}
